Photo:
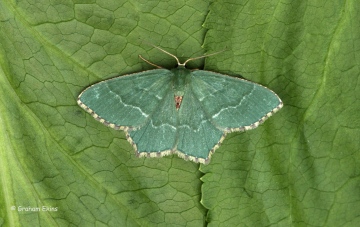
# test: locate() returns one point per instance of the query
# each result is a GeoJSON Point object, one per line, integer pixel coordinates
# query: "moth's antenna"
{"type": "Point", "coordinates": [206, 55]}
{"type": "Point", "coordinates": [178, 62]}
{"type": "Point", "coordinates": [166, 53]}
{"type": "Point", "coordinates": [149, 62]}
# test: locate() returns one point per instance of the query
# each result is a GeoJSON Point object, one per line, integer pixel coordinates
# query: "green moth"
{"type": "Point", "coordinates": [182, 111]}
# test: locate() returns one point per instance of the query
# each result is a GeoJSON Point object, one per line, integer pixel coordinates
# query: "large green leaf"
{"type": "Point", "coordinates": [298, 169]}
{"type": "Point", "coordinates": [302, 167]}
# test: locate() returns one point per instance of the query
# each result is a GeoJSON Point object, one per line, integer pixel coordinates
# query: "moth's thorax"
{"type": "Point", "coordinates": [181, 80]}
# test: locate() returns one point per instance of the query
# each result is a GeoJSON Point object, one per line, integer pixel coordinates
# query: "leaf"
{"type": "Point", "coordinates": [299, 168]}
{"type": "Point", "coordinates": [53, 155]}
